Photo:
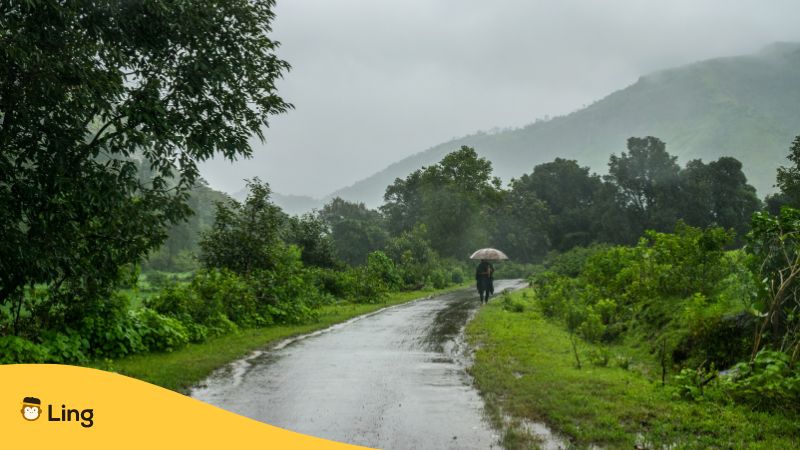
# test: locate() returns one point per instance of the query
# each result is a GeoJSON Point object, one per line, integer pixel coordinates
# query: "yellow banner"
{"type": "Point", "coordinates": [65, 407]}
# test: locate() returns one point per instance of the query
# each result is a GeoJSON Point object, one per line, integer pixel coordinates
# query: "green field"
{"type": "Point", "coordinates": [526, 371]}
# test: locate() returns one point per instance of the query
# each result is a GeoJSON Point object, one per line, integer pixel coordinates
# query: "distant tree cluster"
{"type": "Point", "coordinates": [561, 205]}
{"type": "Point", "coordinates": [457, 206]}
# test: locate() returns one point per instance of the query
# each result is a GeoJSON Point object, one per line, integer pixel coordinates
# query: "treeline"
{"type": "Point", "coordinates": [458, 206]}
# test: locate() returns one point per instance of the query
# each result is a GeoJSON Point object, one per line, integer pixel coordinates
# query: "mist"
{"type": "Point", "coordinates": [373, 82]}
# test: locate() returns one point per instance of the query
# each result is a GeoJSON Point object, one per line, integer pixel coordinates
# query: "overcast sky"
{"type": "Point", "coordinates": [374, 81]}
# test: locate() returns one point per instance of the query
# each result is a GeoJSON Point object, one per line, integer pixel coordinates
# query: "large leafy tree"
{"type": "Point", "coordinates": [312, 236]}
{"type": "Point", "coordinates": [356, 230]}
{"type": "Point", "coordinates": [89, 90]}
{"type": "Point", "coordinates": [453, 198]}
{"type": "Point", "coordinates": [647, 180]}
{"type": "Point", "coordinates": [523, 225]}
{"type": "Point", "coordinates": [245, 237]}
{"type": "Point", "coordinates": [573, 197]}
{"type": "Point", "coordinates": [717, 193]}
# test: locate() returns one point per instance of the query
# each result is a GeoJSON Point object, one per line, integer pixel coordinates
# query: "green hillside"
{"type": "Point", "coordinates": [746, 106]}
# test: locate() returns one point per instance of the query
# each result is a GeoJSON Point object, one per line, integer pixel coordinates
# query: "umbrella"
{"type": "Point", "coordinates": [491, 254]}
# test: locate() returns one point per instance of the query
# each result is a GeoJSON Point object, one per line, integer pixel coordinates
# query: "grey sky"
{"type": "Point", "coordinates": [374, 81]}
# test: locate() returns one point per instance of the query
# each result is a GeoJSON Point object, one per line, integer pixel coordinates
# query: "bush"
{"type": "Point", "coordinates": [599, 357]}
{"type": "Point", "coordinates": [771, 383]}
{"type": "Point", "coordinates": [17, 350]}
{"type": "Point", "coordinates": [157, 280]}
{"type": "Point", "coordinates": [708, 332]}
{"type": "Point", "coordinates": [288, 293]}
{"type": "Point", "coordinates": [438, 278]}
{"type": "Point", "coordinates": [111, 335]}
{"type": "Point", "coordinates": [682, 288]}
{"type": "Point", "coordinates": [413, 256]}
{"type": "Point", "coordinates": [196, 332]}
{"type": "Point", "coordinates": [691, 384]}
{"type": "Point", "coordinates": [512, 269]}
{"type": "Point", "coordinates": [69, 348]}
{"type": "Point", "coordinates": [159, 333]}
{"type": "Point", "coordinates": [512, 304]}
{"type": "Point", "coordinates": [213, 299]}
{"type": "Point", "coordinates": [337, 283]}
{"type": "Point", "coordinates": [571, 263]}
{"type": "Point", "coordinates": [457, 275]}
{"type": "Point", "coordinates": [591, 327]}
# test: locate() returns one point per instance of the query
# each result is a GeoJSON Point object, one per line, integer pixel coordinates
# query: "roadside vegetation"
{"type": "Point", "coordinates": [183, 368]}
{"type": "Point", "coordinates": [680, 341]}
{"type": "Point", "coordinates": [526, 370]}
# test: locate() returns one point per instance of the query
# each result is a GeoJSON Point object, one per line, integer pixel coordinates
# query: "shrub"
{"type": "Point", "coordinates": [571, 263]}
{"type": "Point", "coordinates": [69, 348]}
{"type": "Point", "coordinates": [599, 357]}
{"type": "Point", "coordinates": [212, 299]}
{"type": "Point", "coordinates": [288, 293]}
{"type": "Point", "coordinates": [15, 350]}
{"type": "Point", "coordinates": [512, 304]}
{"type": "Point", "coordinates": [690, 384]}
{"type": "Point", "coordinates": [337, 283]}
{"type": "Point", "coordinates": [196, 332]}
{"type": "Point", "coordinates": [771, 382]}
{"type": "Point", "coordinates": [591, 327]}
{"type": "Point", "coordinates": [381, 267]}
{"type": "Point", "coordinates": [159, 333]}
{"type": "Point", "coordinates": [438, 278]}
{"type": "Point", "coordinates": [157, 279]}
{"type": "Point", "coordinates": [457, 275]}
{"type": "Point", "coordinates": [111, 335]}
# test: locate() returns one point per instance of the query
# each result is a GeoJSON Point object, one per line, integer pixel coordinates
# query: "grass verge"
{"type": "Point", "coordinates": [525, 370]}
{"type": "Point", "coordinates": [183, 368]}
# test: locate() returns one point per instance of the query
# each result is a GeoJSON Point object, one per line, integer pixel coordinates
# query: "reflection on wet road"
{"type": "Point", "coordinates": [394, 380]}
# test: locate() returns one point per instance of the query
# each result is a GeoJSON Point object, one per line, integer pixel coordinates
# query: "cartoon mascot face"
{"type": "Point", "coordinates": [31, 408]}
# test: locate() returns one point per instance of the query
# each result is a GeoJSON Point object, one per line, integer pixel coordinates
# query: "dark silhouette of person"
{"type": "Point", "coordinates": [484, 277]}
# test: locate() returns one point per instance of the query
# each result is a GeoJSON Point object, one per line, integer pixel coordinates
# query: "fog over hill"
{"type": "Point", "coordinates": [746, 106]}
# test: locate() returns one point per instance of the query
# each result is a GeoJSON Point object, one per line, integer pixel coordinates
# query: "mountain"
{"type": "Point", "coordinates": [293, 205]}
{"type": "Point", "coordinates": [746, 106]}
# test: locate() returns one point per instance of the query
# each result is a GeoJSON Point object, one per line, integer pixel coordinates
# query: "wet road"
{"type": "Point", "coordinates": [394, 379]}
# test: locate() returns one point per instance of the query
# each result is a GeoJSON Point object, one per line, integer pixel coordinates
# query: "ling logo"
{"type": "Point", "coordinates": [32, 410]}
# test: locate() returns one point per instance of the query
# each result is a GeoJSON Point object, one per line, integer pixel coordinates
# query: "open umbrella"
{"type": "Point", "coordinates": [489, 254]}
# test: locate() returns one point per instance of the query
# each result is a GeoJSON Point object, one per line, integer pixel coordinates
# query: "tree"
{"type": "Point", "coordinates": [523, 224]}
{"type": "Point", "coordinates": [356, 231]}
{"type": "Point", "coordinates": [789, 177]}
{"type": "Point", "coordinates": [453, 198]}
{"type": "Point", "coordinates": [572, 196]}
{"type": "Point", "coordinates": [717, 193]}
{"type": "Point", "coordinates": [648, 185]}
{"type": "Point", "coordinates": [245, 237]}
{"type": "Point", "coordinates": [412, 253]}
{"type": "Point", "coordinates": [311, 235]}
{"type": "Point", "coordinates": [89, 90]}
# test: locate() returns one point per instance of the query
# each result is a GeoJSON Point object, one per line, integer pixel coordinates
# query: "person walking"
{"type": "Point", "coordinates": [484, 278]}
